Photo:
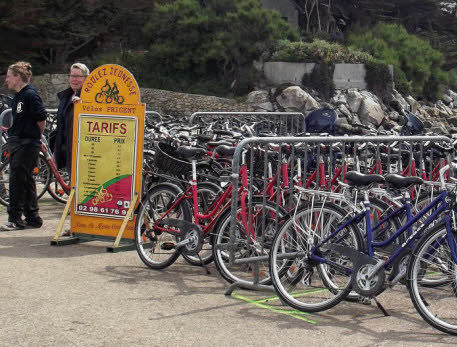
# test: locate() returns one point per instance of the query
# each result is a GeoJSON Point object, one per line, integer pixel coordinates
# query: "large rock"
{"type": "Point", "coordinates": [371, 112]}
{"type": "Point", "coordinates": [394, 116]}
{"type": "Point", "coordinates": [414, 105]}
{"type": "Point", "coordinates": [296, 99]}
{"type": "Point", "coordinates": [439, 129]}
{"type": "Point", "coordinates": [339, 98]}
{"type": "Point", "coordinates": [452, 120]}
{"type": "Point", "coordinates": [452, 94]}
{"type": "Point", "coordinates": [354, 99]}
{"type": "Point", "coordinates": [447, 99]}
{"type": "Point", "coordinates": [397, 96]}
{"type": "Point", "coordinates": [344, 111]}
{"type": "Point", "coordinates": [259, 100]}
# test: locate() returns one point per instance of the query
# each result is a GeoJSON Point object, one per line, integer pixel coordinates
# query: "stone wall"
{"type": "Point", "coordinates": [162, 101]}
{"type": "Point", "coordinates": [345, 76]}
{"type": "Point", "coordinates": [166, 102]}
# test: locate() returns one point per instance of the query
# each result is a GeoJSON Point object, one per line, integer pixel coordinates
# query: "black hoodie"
{"type": "Point", "coordinates": [27, 108]}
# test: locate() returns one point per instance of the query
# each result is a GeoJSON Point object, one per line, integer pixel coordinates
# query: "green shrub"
{"type": "Point", "coordinates": [318, 51]}
{"type": "Point", "coordinates": [379, 79]}
{"type": "Point", "coordinates": [321, 79]}
{"type": "Point", "coordinates": [416, 64]}
{"type": "Point", "coordinates": [189, 42]}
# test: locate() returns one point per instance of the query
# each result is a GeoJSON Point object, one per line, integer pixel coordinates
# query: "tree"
{"type": "Point", "coordinates": [413, 58]}
{"type": "Point", "coordinates": [219, 38]}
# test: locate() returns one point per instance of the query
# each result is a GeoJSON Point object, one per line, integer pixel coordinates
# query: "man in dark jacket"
{"type": "Point", "coordinates": [29, 119]}
{"type": "Point", "coordinates": [64, 130]}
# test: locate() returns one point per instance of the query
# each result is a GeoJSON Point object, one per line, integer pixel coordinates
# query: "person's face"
{"type": "Point", "coordinates": [76, 79]}
{"type": "Point", "coordinates": [12, 81]}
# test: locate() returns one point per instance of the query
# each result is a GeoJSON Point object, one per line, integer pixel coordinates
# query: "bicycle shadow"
{"type": "Point", "coordinates": [183, 279]}
{"type": "Point", "coordinates": [17, 244]}
{"type": "Point", "coordinates": [403, 326]}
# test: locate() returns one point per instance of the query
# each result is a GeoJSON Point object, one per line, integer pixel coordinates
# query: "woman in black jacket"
{"type": "Point", "coordinates": [64, 130]}
{"type": "Point", "coordinates": [29, 119]}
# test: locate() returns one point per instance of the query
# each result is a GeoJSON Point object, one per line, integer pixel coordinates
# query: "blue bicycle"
{"type": "Point", "coordinates": [319, 255]}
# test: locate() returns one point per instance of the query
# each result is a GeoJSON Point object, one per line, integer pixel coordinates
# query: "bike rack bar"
{"type": "Point", "coordinates": [281, 117]}
{"type": "Point", "coordinates": [306, 141]}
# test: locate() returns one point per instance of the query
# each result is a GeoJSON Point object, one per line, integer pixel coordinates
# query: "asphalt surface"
{"type": "Point", "coordinates": [80, 295]}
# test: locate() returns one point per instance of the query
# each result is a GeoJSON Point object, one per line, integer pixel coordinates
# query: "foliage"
{"type": "Point", "coordinates": [318, 51]}
{"type": "Point", "coordinates": [217, 40]}
{"type": "Point", "coordinates": [55, 33]}
{"type": "Point", "coordinates": [321, 79]}
{"type": "Point", "coordinates": [391, 44]}
{"type": "Point", "coordinates": [379, 79]}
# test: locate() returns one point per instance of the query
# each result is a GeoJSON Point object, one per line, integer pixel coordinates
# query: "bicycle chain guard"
{"type": "Point", "coordinates": [365, 286]}
{"type": "Point", "coordinates": [362, 268]}
{"type": "Point", "coordinates": [190, 236]}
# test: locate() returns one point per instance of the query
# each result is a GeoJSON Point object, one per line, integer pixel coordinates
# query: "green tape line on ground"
{"type": "Point", "coordinates": [293, 295]}
{"type": "Point", "coordinates": [293, 313]}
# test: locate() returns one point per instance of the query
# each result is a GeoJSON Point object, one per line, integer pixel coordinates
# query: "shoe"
{"type": "Point", "coordinates": [18, 225]}
{"type": "Point", "coordinates": [35, 222]}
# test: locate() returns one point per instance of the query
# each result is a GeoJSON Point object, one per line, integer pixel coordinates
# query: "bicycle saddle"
{"type": "Point", "coordinates": [399, 182]}
{"type": "Point", "coordinates": [356, 178]}
{"type": "Point", "coordinates": [188, 152]}
{"type": "Point", "coordinates": [225, 151]}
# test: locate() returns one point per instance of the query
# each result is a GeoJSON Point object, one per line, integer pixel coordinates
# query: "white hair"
{"type": "Point", "coordinates": [80, 66]}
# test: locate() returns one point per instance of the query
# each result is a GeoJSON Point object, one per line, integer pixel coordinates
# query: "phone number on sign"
{"type": "Point", "coordinates": [103, 210]}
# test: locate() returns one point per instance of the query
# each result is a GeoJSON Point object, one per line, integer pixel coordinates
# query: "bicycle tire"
{"type": "Point", "coordinates": [152, 245]}
{"type": "Point", "coordinates": [42, 177]}
{"type": "Point", "coordinates": [244, 273]}
{"type": "Point", "coordinates": [4, 183]}
{"type": "Point", "coordinates": [55, 188]}
{"type": "Point", "coordinates": [304, 283]}
{"type": "Point", "coordinates": [432, 257]}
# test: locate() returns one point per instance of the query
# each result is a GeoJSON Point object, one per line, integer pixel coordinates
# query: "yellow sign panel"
{"type": "Point", "coordinates": [106, 165]}
{"type": "Point", "coordinates": [107, 152]}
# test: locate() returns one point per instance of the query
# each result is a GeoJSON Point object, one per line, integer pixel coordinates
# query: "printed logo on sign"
{"type": "Point", "coordinates": [109, 94]}
{"type": "Point", "coordinates": [19, 107]}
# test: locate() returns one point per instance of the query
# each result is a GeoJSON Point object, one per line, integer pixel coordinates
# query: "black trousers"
{"type": "Point", "coordinates": [22, 187]}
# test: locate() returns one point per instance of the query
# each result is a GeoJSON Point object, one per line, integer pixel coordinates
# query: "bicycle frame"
{"type": "Point", "coordinates": [52, 165]}
{"type": "Point", "coordinates": [439, 203]}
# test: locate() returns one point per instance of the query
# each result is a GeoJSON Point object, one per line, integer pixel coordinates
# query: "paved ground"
{"type": "Point", "coordinates": [81, 295]}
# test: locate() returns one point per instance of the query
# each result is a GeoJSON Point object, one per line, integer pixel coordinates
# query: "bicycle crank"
{"type": "Point", "coordinates": [190, 239]}
{"type": "Point", "coordinates": [367, 284]}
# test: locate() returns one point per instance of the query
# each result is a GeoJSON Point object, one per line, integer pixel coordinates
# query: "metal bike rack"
{"type": "Point", "coordinates": [304, 142]}
{"type": "Point", "coordinates": [290, 123]}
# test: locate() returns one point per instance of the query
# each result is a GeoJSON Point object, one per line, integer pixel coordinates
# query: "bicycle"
{"type": "Point", "coordinates": [169, 221]}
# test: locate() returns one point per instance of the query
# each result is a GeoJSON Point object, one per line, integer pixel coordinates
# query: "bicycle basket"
{"type": "Point", "coordinates": [413, 125]}
{"type": "Point", "coordinates": [166, 160]}
{"type": "Point", "coordinates": [322, 120]}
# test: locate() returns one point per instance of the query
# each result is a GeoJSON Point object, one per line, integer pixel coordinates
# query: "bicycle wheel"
{"type": "Point", "coordinates": [55, 188]}
{"type": "Point", "coordinates": [431, 258]}
{"type": "Point", "coordinates": [263, 224]}
{"type": "Point", "coordinates": [157, 249]}
{"type": "Point", "coordinates": [4, 182]}
{"type": "Point", "coordinates": [302, 281]}
{"type": "Point", "coordinates": [41, 175]}
{"type": "Point", "coordinates": [207, 192]}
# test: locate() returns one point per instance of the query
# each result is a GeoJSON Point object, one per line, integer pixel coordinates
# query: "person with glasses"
{"type": "Point", "coordinates": [64, 132]}
{"type": "Point", "coordinates": [29, 120]}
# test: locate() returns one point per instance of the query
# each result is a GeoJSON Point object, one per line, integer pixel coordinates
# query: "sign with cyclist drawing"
{"type": "Point", "coordinates": [106, 165]}
{"type": "Point", "coordinates": [107, 152]}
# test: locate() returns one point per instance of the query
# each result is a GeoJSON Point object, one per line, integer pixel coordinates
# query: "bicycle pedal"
{"type": "Point", "coordinates": [168, 246]}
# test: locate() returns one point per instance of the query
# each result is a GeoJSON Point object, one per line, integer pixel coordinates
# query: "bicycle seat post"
{"type": "Point", "coordinates": [194, 189]}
